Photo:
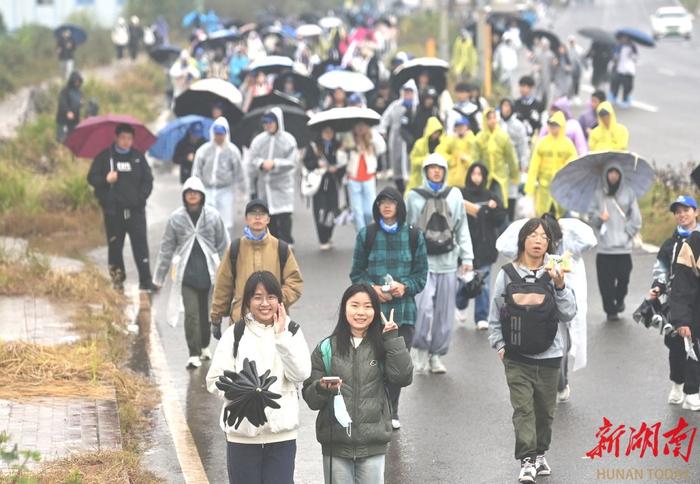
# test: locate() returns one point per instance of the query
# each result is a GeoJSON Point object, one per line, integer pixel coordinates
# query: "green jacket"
{"type": "Point", "coordinates": [364, 377]}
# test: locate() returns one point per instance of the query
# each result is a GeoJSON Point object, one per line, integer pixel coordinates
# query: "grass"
{"type": "Point", "coordinates": [657, 222]}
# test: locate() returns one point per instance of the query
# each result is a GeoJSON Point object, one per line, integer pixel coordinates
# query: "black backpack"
{"type": "Point", "coordinates": [282, 252]}
{"type": "Point", "coordinates": [435, 221]}
{"type": "Point", "coordinates": [239, 328]}
{"type": "Point", "coordinates": [529, 316]}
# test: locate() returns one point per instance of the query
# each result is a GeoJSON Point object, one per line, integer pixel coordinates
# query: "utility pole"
{"type": "Point", "coordinates": [443, 50]}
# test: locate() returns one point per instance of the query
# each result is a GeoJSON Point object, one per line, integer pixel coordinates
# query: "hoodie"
{"type": "Point", "coordinates": [276, 186]}
{"type": "Point", "coordinates": [574, 131]}
{"type": "Point", "coordinates": [602, 138]}
{"type": "Point", "coordinates": [423, 147]}
{"type": "Point", "coordinates": [443, 263]}
{"type": "Point", "coordinates": [394, 126]}
{"type": "Point", "coordinates": [391, 254]}
{"type": "Point", "coordinates": [624, 218]}
{"type": "Point", "coordinates": [219, 166]}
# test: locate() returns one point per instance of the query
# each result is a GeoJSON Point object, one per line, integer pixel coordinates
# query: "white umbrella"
{"type": "Point", "coordinates": [344, 119]}
{"type": "Point", "coordinates": [271, 63]}
{"type": "Point", "coordinates": [309, 30]}
{"type": "Point", "coordinates": [219, 87]}
{"type": "Point", "coordinates": [436, 69]}
{"type": "Point", "coordinates": [348, 81]}
{"type": "Point", "coordinates": [330, 22]}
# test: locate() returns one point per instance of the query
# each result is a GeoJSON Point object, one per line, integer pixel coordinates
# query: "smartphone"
{"type": "Point", "coordinates": [331, 380]}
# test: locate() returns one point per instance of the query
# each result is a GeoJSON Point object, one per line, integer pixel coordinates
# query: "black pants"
{"type": "Point", "coordinates": [325, 207]}
{"type": "Point", "coordinates": [613, 278]}
{"type": "Point", "coordinates": [626, 81]}
{"type": "Point", "coordinates": [400, 185]}
{"type": "Point", "coordinates": [394, 391]}
{"type": "Point", "coordinates": [261, 464]}
{"type": "Point", "coordinates": [117, 225]}
{"type": "Point", "coordinates": [683, 369]}
{"type": "Point", "coordinates": [281, 227]}
{"type": "Point", "coordinates": [120, 51]}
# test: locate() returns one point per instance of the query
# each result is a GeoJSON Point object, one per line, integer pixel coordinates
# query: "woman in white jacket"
{"type": "Point", "coordinates": [263, 455]}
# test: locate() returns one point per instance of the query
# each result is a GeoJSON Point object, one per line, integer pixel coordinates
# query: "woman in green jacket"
{"type": "Point", "coordinates": [353, 425]}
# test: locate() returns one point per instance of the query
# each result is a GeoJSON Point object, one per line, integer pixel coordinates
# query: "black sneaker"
{"type": "Point", "coordinates": [613, 317]}
{"type": "Point", "coordinates": [527, 470]}
{"type": "Point", "coordinates": [541, 466]}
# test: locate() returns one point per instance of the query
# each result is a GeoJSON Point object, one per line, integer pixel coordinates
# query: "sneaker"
{"type": "Point", "coordinates": [527, 471]}
{"type": "Point", "coordinates": [462, 316]}
{"type": "Point", "coordinates": [692, 402]}
{"type": "Point", "coordinates": [325, 247]}
{"type": "Point", "coordinates": [676, 396]}
{"type": "Point", "coordinates": [613, 317]}
{"type": "Point", "coordinates": [621, 307]}
{"type": "Point", "coordinates": [564, 395]}
{"type": "Point", "coordinates": [206, 354]}
{"type": "Point", "coordinates": [193, 362]}
{"type": "Point", "coordinates": [541, 466]}
{"type": "Point", "coordinates": [395, 424]}
{"type": "Point", "coordinates": [420, 360]}
{"type": "Point", "coordinates": [436, 365]}
{"type": "Point", "coordinates": [482, 325]}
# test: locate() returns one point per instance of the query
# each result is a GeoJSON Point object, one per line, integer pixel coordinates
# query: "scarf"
{"type": "Point", "coordinates": [389, 229]}
{"type": "Point", "coordinates": [684, 232]}
{"type": "Point", "coordinates": [250, 235]}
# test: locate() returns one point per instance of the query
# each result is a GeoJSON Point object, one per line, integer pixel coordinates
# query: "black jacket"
{"type": "Point", "coordinates": [530, 112]}
{"type": "Point", "coordinates": [134, 183]}
{"type": "Point", "coordinates": [684, 299]}
{"type": "Point", "coordinates": [184, 148]}
{"type": "Point", "coordinates": [70, 100]}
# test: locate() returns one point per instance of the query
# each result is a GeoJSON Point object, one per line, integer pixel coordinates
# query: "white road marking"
{"type": "Point", "coordinates": [666, 72]}
{"type": "Point", "coordinates": [635, 104]}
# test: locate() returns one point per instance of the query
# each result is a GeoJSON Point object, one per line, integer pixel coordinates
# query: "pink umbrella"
{"type": "Point", "coordinates": [96, 133]}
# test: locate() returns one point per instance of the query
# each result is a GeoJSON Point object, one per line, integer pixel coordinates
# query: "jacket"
{"type": "Point", "coordinates": [253, 255]}
{"type": "Point", "coordinates": [395, 120]}
{"type": "Point", "coordinates": [134, 180]}
{"type": "Point", "coordinates": [183, 149]}
{"type": "Point", "coordinates": [363, 390]}
{"type": "Point", "coordinates": [495, 150]}
{"type": "Point", "coordinates": [276, 186]}
{"type": "Point", "coordinates": [667, 256]}
{"type": "Point", "coordinates": [70, 100]}
{"type": "Point", "coordinates": [286, 355]}
{"type": "Point", "coordinates": [348, 155]}
{"type": "Point", "coordinates": [464, 57]}
{"type": "Point", "coordinates": [219, 166]}
{"type": "Point", "coordinates": [443, 263]}
{"type": "Point", "coordinates": [460, 155]}
{"type": "Point", "coordinates": [685, 296]}
{"type": "Point", "coordinates": [574, 130]}
{"type": "Point", "coordinates": [517, 131]}
{"type": "Point", "coordinates": [391, 254]}
{"type": "Point", "coordinates": [602, 138]}
{"type": "Point", "coordinates": [529, 111]}
{"type": "Point", "coordinates": [616, 236]}
{"type": "Point", "coordinates": [421, 149]}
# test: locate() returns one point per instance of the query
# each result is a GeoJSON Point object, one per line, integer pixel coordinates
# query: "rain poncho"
{"type": "Point", "coordinates": [517, 131]}
{"type": "Point", "coordinates": [548, 157]}
{"type": "Point", "coordinates": [176, 247]}
{"type": "Point", "coordinates": [464, 57]}
{"type": "Point", "coordinates": [574, 131]}
{"type": "Point", "coordinates": [219, 166]}
{"type": "Point", "coordinates": [602, 138]}
{"type": "Point", "coordinates": [460, 156]}
{"type": "Point", "coordinates": [182, 73]}
{"type": "Point", "coordinates": [421, 150]}
{"type": "Point", "coordinates": [394, 118]}
{"type": "Point", "coordinates": [276, 186]}
{"type": "Point", "coordinates": [495, 150]}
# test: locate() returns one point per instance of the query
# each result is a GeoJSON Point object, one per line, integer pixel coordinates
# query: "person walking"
{"type": "Point", "coordinates": [460, 152]}
{"type": "Point", "coordinates": [391, 257]}
{"type": "Point", "coordinates": [531, 357]}
{"type": "Point", "coordinates": [186, 149]}
{"type": "Point", "coordinates": [624, 69]}
{"type": "Point", "coordinates": [573, 129]}
{"type": "Point", "coordinates": [600, 55]}
{"type": "Point", "coordinates": [120, 37]}
{"type": "Point", "coordinates": [617, 220]}
{"type": "Point", "coordinates": [273, 158]}
{"type": "Point", "coordinates": [395, 127]}
{"type": "Point", "coordinates": [517, 132]}
{"type": "Point", "coordinates": [123, 182]}
{"type": "Point", "coordinates": [218, 164]}
{"type": "Point", "coordinates": [505, 62]}
{"type": "Point", "coordinates": [527, 107]}
{"type": "Point", "coordinates": [65, 49]}
{"type": "Point", "coordinates": [364, 353]}
{"type": "Point", "coordinates": [433, 140]}
{"type": "Point", "coordinates": [562, 73]}
{"type": "Point", "coordinates": [267, 336]}
{"type": "Point", "coordinates": [438, 210]}
{"type": "Point", "coordinates": [135, 37]}
{"type": "Point", "coordinates": [609, 135]}
{"type": "Point", "coordinates": [193, 244]}
{"type": "Point", "coordinates": [464, 56]}
{"type": "Point", "coordinates": [257, 250]}
{"type": "Point", "coordinates": [589, 118]}
{"type": "Point", "coordinates": [70, 102]}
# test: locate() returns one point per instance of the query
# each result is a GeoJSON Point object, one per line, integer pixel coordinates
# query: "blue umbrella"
{"type": "Point", "coordinates": [171, 134]}
{"type": "Point", "coordinates": [77, 33]}
{"type": "Point", "coordinates": [190, 18]}
{"type": "Point", "coordinates": [638, 36]}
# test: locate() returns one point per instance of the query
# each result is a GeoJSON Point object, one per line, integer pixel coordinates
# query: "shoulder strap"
{"type": "Point", "coordinates": [283, 254]}
{"type": "Point", "coordinates": [370, 236]}
{"type": "Point", "coordinates": [424, 193]}
{"type": "Point", "coordinates": [293, 327]}
{"type": "Point", "coordinates": [413, 234]}
{"type": "Point", "coordinates": [234, 248]}
{"type": "Point", "coordinates": [512, 273]}
{"type": "Point", "coordinates": [444, 194]}
{"type": "Point", "coordinates": [327, 355]}
{"type": "Point", "coordinates": [238, 329]}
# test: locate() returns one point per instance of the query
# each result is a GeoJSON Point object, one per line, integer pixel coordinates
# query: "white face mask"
{"type": "Point", "coordinates": [341, 413]}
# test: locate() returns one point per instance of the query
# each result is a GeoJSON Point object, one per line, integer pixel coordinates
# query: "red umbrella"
{"type": "Point", "coordinates": [96, 133]}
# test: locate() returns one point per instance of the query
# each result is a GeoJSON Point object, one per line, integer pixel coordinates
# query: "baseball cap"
{"type": "Point", "coordinates": [219, 129]}
{"type": "Point", "coordinates": [462, 121]}
{"type": "Point", "coordinates": [256, 203]}
{"type": "Point", "coordinates": [197, 129]}
{"type": "Point", "coordinates": [686, 201]}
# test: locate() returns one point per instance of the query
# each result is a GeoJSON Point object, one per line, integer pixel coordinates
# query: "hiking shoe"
{"type": "Point", "coordinates": [206, 354]}
{"type": "Point", "coordinates": [420, 360]}
{"type": "Point", "coordinates": [676, 396]}
{"type": "Point", "coordinates": [692, 402]}
{"type": "Point", "coordinates": [527, 471]}
{"type": "Point", "coordinates": [193, 362]}
{"type": "Point", "coordinates": [564, 395]}
{"type": "Point", "coordinates": [436, 365]}
{"type": "Point", "coordinates": [395, 424]}
{"type": "Point", "coordinates": [541, 466]}
{"type": "Point", "coordinates": [482, 325]}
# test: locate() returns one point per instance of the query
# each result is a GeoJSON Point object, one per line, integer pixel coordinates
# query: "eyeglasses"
{"type": "Point", "coordinates": [257, 213]}
{"type": "Point", "coordinates": [259, 299]}
{"type": "Point", "coordinates": [542, 237]}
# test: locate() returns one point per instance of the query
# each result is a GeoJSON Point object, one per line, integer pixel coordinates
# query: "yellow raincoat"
{"type": "Point", "coordinates": [550, 155]}
{"type": "Point", "coordinates": [421, 151]}
{"type": "Point", "coordinates": [616, 137]}
{"type": "Point", "coordinates": [462, 156]}
{"type": "Point", "coordinates": [464, 57]}
{"type": "Point", "coordinates": [495, 150]}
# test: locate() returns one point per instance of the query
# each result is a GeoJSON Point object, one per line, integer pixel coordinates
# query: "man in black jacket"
{"type": "Point", "coordinates": [527, 107]}
{"type": "Point", "coordinates": [70, 101]}
{"type": "Point", "coordinates": [123, 182]}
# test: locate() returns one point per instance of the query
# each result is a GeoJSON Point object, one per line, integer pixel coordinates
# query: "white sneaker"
{"type": "Point", "coordinates": [676, 396]}
{"type": "Point", "coordinates": [462, 316]}
{"type": "Point", "coordinates": [527, 471]}
{"type": "Point", "coordinates": [436, 365]}
{"type": "Point", "coordinates": [564, 395]}
{"type": "Point", "coordinates": [420, 360]}
{"type": "Point", "coordinates": [206, 354]}
{"type": "Point", "coordinates": [194, 362]}
{"type": "Point", "coordinates": [482, 325]}
{"type": "Point", "coordinates": [325, 247]}
{"type": "Point", "coordinates": [395, 424]}
{"type": "Point", "coordinates": [692, 402]}
{"type": "Point", "coordinates": [541, 466]}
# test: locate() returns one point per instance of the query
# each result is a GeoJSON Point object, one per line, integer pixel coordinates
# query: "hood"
{"type": "Point", "coordinates": [467, 180]}
{"type": "Point", "coordinates": [220, 121]}
{"type": "Point", "coordinates": [432, 125]}
{"type": "Point", "coordinates": [434, 159]}
{"type": "Point", "coordinates": [74, 77]}
{"type": "Point", "coordinates": [564, 105]}
{"type": "Point", "coordinates": [560, 120]}
{"type": "Point", "coordinates": [195, 184]}
{"type": "Point", "coordinates": [483, 119]}
{"type": "Point", "coordinates": [609, 108]}
{"type": "Point", "coordinates": [606, 186]}
{"type": "Point", "coordinates": [393, 194]}
{"type": "Point", "coordinates": [277, 113]}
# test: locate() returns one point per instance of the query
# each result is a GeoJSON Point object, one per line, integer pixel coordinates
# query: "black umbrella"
{"type": "Point", "coordinates": [275, 98]}
{"type": "Point", "coordinates": [304, 85]}
{"type": "Point", "coordinates": [598, 35]}
{"type": "Point", "coordinates": [435, 68]}
{"type": "Point", "coordinates": [219, 39]}
{"type": "Point", "coordinates": [77, 33]}
{"type": "Point", "coordinates": [249, 395]}
{"type": "Point", "coordinates": [165, 55]}
{"type": "Point", "coordinates": [295, 120]}
{"type": "Point", "coordinates": [554, 41]}
{"type": "Point", "coordinates": [201, 97]}
{"type": "Point", "coordinates": [321, 68]}
{"type": "Point", "coordinates": [695, 176]}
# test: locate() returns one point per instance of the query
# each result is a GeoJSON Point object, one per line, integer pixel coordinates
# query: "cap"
{"type": "Point", "coordinates": [462, 121]}
{"type": "Point", "coordinates": [219, 129]}
{"type": "Point", "coordinates": [354, 99]}
{"type": "Point", "coordinates": [197, 129]}
{"type": "Point", "coordinates": [686, 201]}
{"type": "Point", "coordinates": [256, 203]}
{"type": "Point", "coordinates": [268, 118]}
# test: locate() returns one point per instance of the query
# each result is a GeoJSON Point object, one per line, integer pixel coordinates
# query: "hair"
{"type": "Point", "coordinates": [554, 228]}
{"type": "Point", "coordinates": [529, 227]}
{"type": "Point", "coordinates": [527, 81]}
{"type": "Point", "coordinates": [124, 128]}
{"type": "Point", "coordinates": [374, 331]}
{"type": "Point", "coordinates": [265, 278]}
{"type": "Point", "coordinates": [363, 142]}
{"type": "Point", "coordinates": [600, 95]}
{"type": "Point", "coordinates": [462, 87]}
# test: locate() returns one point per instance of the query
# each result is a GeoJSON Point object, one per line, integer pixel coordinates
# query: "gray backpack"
{"type": "Point", "coordinates": [436, 222]}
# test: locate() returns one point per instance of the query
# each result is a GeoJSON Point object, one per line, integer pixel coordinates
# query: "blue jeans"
{"type": "Point", "coordinates": [362, 195]}
{"type": "Point", "coordinates": [368, 470]}
{"type": "Point", "coordinates": [481, 303]}
{"type": "Point", "coordinates": [261, 464]}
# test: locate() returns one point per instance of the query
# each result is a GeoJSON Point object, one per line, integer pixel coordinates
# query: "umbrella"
{"type": "Point", "coordinates": [249, 27]}
{"type": "Point", "coordinates": [171, 134]}
{"type": "Point", "coordinates": [220, 37]}
{"type": "Point", "coordinates": [295, 120]}
{"type": "Point", "coordinates": [343, 119]}
{"type": "Point", "coordinates": [554, 41]}
{"type": "Point", "coordinates": [271, 64]}
{"type": "Point", "coordinates": [165, 54]}
{"type": "Point", "coordinates": [642, 38]}
{"type": "Point", "coordinates": [203, 94]}
{"type": "Point", "coordinates": [248, 393]}
{"type": "Point", "coordinates": [309, 30]}
{"type": "Point", "coordinates": [96, 133]}
{"type": "Point", "coordinates": [436, 69]}
{"type": "Point", "coordinates": [695, 176]}
{"type": "Point", "coordinates": [304, 85]}
{"type": "Point", "coordinates": [575, 185]}
{"type": "Point", "coordinates": [348, 81]}
{"type": "Point", "coordinates": [322, 67]}
{"type": "Point", "coordinates": [598, 35]}
{"type": "Point", "coordinates": [77, 33]}
{"type": "Point", "coordinates": [275, 98]}
{"type": "Point", "coordinates": [330, 22]}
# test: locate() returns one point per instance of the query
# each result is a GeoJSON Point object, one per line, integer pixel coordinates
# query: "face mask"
{"type": "Point", "coordinates": [408, 104]}
{"type": "Point", "coordinates": [341, 413]}
{"type": "Point", "coordinates": [683, 232]}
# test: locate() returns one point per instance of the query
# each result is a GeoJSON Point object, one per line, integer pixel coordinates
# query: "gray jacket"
{"type": "Point", "coordinates": [390, 127]}
{"type": "Point", "coordinates": [219, 166]}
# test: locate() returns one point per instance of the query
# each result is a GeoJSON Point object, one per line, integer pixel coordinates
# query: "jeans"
{"type": "Point", "coordinates": [117, 225]}
{"type": "Point", "coordinates": [197, 332]}
{"type": "Point", "coordinates": [261, 464]}
{"type": "Point", "coordinates": [482, 301]}
{"type": "Point", "coordinates": [369, 470]}
{"type": "Point", "coordinates": [362, 195]}
{"type": "Point", "coordinates": [613, 278]}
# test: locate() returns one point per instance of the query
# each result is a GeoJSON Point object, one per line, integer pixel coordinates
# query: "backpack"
{"type": "Point", "coordinates": [529, 316]}
{"type": "Point", "coordinates": [239, 328]}
{"type": "Point", "coordinates": [327, 356]}
{"type": "Point", "coordinates": [436, 222]}
{"type": "Point", "coordinates": [282, 253]}
{"type": "Point", "coordinates": [373, 229]}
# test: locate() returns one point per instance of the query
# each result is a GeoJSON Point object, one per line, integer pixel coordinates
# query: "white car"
{"type": "Point", "coordinates": [671, 21]}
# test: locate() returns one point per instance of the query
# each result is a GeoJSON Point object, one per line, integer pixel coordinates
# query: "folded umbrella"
{"type": "Point", "coordinates": [165, 55]}
{"type": "Point", "coordinates": [638, 36]}
{"type": "Point", "coordinates": [171, 134]}
{"type": "Point", "coordinates": [202, 95]}
{"type": "Point", "coordinates": [96, 133]}
{"type": "Point", "coordinates": [343, 119]}
{"type": "Point", "coordinates": [435, 68]}
{"type": "Point", "coordinates": [348, 81]}
{"type": "Point", "coordinates": [77, 33]}
{"type": "Point", "coordinates": [275, 98]}
{"type": "Point", "coordinates": [271, 64]}
{"type": "Point", "coordinates": [598, 35]}
{"type": "Point", "coordinates": [304, 85]}
{"type": "Point", "coordinates": [295, 120]}
{"type": "Point", "coordinates": [575, 186]}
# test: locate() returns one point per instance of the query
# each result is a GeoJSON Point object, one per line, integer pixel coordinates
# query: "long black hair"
{"type": "Point", "coordinates": [527, 229]}
{"type": "Point", "coordinates": [265, 278]}
{"type": "Point", "coordinates": [374, 331]}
